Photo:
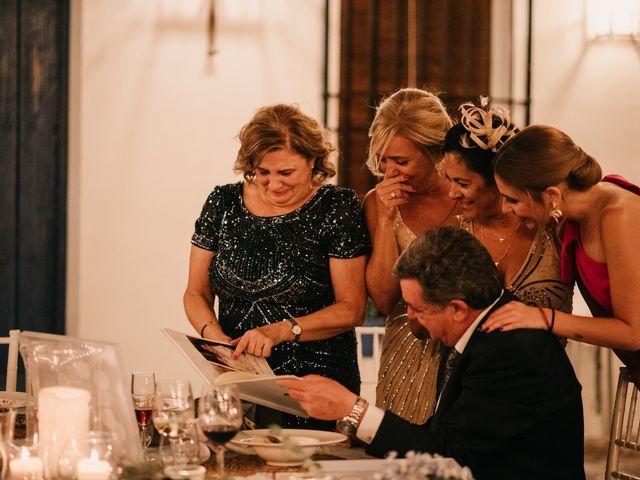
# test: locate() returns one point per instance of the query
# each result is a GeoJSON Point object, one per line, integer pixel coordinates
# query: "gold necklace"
{"type": "Point", "coordinates": [501, 240]}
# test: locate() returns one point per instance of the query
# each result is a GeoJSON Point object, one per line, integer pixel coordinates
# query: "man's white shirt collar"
{"type": "Point", "coordinates": [461, 344]}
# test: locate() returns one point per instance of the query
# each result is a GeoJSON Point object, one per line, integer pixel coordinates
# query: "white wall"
{"type": "Point", "coordinates": [152, 129]}
{"type": "Point", "coordinates": [589, 88]}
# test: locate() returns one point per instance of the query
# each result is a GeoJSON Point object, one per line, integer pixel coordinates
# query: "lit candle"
{"type": "Point", "coordinates": [93, 469]}
{"type": "Point", "coordinates": [26, 467]}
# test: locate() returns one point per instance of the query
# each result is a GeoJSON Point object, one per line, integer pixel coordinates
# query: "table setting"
{"type": "Point", "coordinates": [84, 418]}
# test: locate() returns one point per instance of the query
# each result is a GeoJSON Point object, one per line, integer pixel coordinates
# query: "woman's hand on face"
{"type": "Point", "coordinates": [513, 316]}
{"type": "Point", "coordinates": [259, 341]}
{"type": "Point", "coordinates": [392, 192]}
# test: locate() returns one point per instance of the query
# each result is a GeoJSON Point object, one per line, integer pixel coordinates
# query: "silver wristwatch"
{"type": "Point", "coordinates": [296, 329]}
{"type": "Point", "coordinates": [349, 424]}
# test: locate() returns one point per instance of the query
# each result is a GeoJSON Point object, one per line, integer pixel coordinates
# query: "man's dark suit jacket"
{"type": "Point", "coordinates": [511, 410]}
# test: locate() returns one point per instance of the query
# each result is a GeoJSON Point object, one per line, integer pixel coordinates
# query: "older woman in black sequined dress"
{"type": "Point", "coordinates": [284, 253]}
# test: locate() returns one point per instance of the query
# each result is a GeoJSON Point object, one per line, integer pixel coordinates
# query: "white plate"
{"type": "Point", "coordinates": [282, 454]}
{"type": "Point", "coordinates": [313, 438]}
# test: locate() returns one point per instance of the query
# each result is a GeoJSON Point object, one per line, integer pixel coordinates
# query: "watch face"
{"type": "Point", "coordinates": [296, 329]}
{"type": "Point", "coordinates": [345, 427]}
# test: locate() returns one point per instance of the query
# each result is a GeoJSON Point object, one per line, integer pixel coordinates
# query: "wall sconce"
{"type": "Point", "coordinates": [613, 19]}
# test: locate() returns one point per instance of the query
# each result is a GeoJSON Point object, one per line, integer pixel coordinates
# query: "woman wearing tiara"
{"type": "Point", "coordinates": [526, 255]}
{"type": "Point", "coordinates": [405, 150]}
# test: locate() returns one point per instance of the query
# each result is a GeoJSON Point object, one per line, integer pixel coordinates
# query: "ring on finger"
{"type": "Point", "coordinates": [394, 194]}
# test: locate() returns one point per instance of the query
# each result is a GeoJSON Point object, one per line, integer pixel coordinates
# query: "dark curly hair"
{"type": "Point", "coordinates": [451, 264]}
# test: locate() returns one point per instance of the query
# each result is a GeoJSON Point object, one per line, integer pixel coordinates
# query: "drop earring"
{"type": "Point", "coordinates": [556, 213]}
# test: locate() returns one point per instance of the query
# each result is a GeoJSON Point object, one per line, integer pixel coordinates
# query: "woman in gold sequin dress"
{"type": "Point", "coordinates": [526, 256]}
{"type": "Point", "coordinates": [407, 135]}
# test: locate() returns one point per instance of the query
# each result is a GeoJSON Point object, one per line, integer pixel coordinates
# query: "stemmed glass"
{"type": "Point", "coordinates": [220, 418]}
{"type": "Point", "coordinates": [143, 387]}
{"type": "Point", "coordinates": [173, 413]}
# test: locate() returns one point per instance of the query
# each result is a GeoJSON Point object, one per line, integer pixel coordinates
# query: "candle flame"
{"type": "Point", "coordinates": [94, 454]}
{"type": "Point", "coordinates": [24, 453]}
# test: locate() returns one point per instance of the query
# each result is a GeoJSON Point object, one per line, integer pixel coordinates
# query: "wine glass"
{"type": "Point", "coordinates": [220, 418]}
{"type": "Point", "coordinates": [173, 413]}
{"type": "Point", "coordinates": [143, 387]}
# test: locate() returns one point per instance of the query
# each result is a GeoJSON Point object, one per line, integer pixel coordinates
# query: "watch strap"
{"type": "Point", "coordinates": [296, 329]}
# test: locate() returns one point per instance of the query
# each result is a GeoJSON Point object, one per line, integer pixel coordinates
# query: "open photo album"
{"type": "Point", "coordinates": [252, 375]}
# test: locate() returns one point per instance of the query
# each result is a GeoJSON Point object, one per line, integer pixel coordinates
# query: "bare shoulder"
{"type": "Point", "coordinates": [618, 226]}
{"type": "Point", "coordinates": [621, 212]}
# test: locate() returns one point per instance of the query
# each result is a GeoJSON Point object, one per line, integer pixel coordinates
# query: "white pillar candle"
{"type": "Point", "coordinates": [63, 414]}
{"type": "Point", "coordinates": [93, 469]}
{"type": "Point", "coordinates": [63, 410]}
{"type": "Point", "coordinates": [26, 467]}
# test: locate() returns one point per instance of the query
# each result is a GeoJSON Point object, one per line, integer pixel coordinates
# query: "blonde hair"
{"type": "Point", "coordinates": [541, 156]}
{"type": "Point", "coordinates": [414, 114]}
{"type": "Point", "coordinates": [281, 126]}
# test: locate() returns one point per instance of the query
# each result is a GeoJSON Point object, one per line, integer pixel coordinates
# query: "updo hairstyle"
{"type": "Point", "coordinates": [541, 156]}
{"type": "Point", "coordinates": [414, 114]}
{"type": "Point", "coordinates": [281, 126]}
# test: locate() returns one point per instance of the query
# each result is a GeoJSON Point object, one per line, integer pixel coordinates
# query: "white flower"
{"type": "Point", "coordinates": [423, 466]}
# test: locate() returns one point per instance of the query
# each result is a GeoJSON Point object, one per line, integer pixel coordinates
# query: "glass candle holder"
{"type": "Point", "coordinates": [185, 472]}
{"type": "Point", "coordinates": [23, 460]}
{"type": "Point", "coordinates": [88, 458]}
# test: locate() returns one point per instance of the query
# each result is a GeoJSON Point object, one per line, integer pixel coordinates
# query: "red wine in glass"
{"type": "Point", "coordinates": [220, 418]}
{"type": "Point", "coordinates": [143, 415]}
{"type": "Point", "coordinates": [143, 386]}
{"type": "Point", "coordinates": [222, 435]}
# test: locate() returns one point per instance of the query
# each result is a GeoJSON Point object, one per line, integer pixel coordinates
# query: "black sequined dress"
{"type": "Point", "coordinates": [267, 269]}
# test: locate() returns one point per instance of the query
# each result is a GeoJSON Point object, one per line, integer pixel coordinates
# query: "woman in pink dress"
{"type": "Point", "coordinates": [542, 173]}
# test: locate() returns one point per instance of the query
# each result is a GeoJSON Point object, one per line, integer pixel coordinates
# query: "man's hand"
{"type": "Point", "coordinates": [321, 397]}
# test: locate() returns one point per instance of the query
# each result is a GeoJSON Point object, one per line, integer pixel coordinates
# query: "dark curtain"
{"type": "Point", "coordinates": [33, 158]}
{"type": "Point", "coordinates": [452, 57]}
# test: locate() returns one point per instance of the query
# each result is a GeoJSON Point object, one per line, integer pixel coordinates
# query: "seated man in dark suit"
{"type": "Point", "coordinates": [509, 403]}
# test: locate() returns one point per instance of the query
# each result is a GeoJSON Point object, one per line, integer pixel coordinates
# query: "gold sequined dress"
{"type": "Point", "coordinates": [408, 365]}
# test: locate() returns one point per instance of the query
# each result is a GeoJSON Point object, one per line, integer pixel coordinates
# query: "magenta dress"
{"type": "Point", "coordinates": [593, 276]}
